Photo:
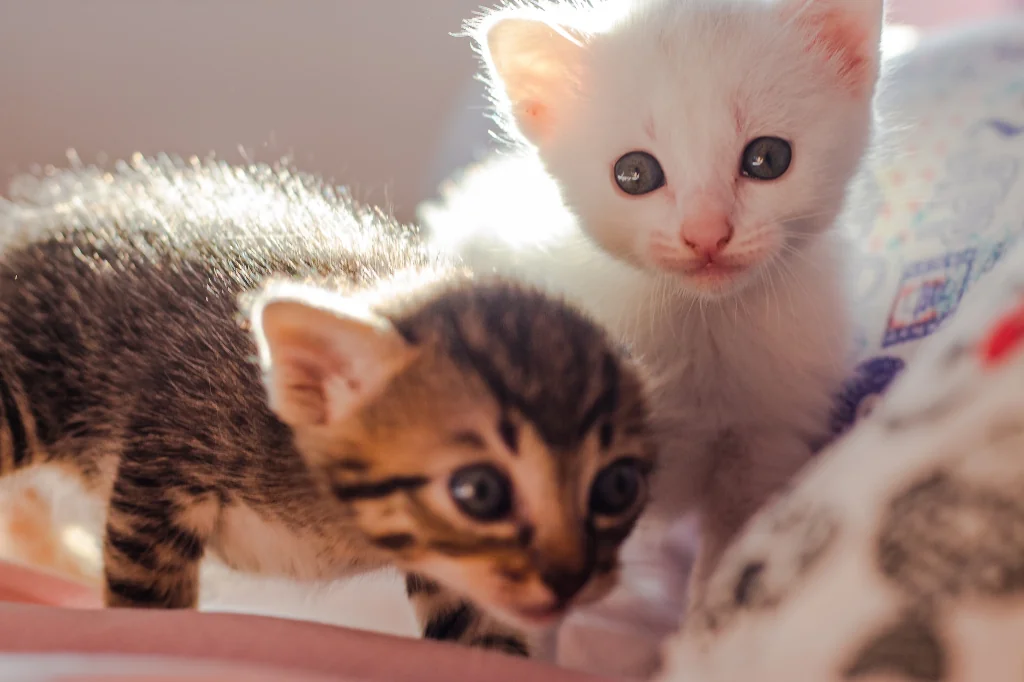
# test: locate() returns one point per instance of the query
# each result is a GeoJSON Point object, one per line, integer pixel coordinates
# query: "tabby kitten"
{"type": "Point", "coordinates": [489, 441]}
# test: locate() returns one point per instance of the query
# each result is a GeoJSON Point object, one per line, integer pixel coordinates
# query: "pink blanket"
{"type": "Point", "coordinates": [59, 624]}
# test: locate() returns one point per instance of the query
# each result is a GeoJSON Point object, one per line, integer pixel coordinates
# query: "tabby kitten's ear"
{"type": "Point", "coordinates": [322, 358]}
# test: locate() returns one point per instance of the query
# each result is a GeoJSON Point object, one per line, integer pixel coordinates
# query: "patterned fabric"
{"type": "Point", "coordinates": [940, 202]}
{"type": "Point", "coordinates": [900, 554]}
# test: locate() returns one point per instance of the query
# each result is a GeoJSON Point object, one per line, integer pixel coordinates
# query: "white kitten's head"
{"type": "Point", "coordinates": [708, 139]}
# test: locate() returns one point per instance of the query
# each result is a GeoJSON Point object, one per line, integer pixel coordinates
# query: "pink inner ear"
{"type": "Point", "coordinates": [537, 108]}
{"type": "Point", "coordinates": [303, 370]}
{"type": "Point", "coordinates": [536, 116]}
{"type": "Point", "coordinates": [845, 43]}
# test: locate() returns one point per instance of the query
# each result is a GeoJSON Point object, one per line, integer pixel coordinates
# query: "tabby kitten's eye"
{"type": "Point", "coordinates": [766, 158]}
{"type": "Point", "coordinates": [638, 173]}
{"type": "Point", "coordinates": [617, 488]}
{"type": "Point", "coordinates": [481, 492]}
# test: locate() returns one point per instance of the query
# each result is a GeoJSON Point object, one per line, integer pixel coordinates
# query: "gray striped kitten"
{"type": "Point", "coordinates": [374, 406]}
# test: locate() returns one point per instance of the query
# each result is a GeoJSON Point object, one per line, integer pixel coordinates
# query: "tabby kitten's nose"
{"type": "Point", "coordinates": [565, 584]}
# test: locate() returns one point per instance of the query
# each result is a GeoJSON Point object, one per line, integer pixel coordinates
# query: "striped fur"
{"type": "Point", "coordinates": [124, 359]}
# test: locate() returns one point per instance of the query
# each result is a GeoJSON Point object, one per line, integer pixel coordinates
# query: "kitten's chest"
{"type": "Point", "coordinates": [721, 372]}
{"type": "Point", "coordinates": [694, 376]}
{"type": "Point", "coordinates": [261, 542]}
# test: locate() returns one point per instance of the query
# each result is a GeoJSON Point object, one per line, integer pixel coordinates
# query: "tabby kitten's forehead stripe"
{"type": "Point", "coordinates": [377, 489]}
{"type": "Point", "coordinates": [538, 359]}
{"type": "Point", "coordinates": [605, 404]}
{"type": "Point", "coordinates": [371, 404]}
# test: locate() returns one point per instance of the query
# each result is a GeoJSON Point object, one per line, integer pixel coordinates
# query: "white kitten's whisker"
{"type": "Point", "coordinates": [803, 216]}
{"type": "Point", "coordinates": [659, 239]}
{"type": "Point", "coordinates": [670, 256]}
{"type": "Point", "coordinates": [775, 297]}
{"type": "Point", "coordinates": [789, 292]}
{"type": "Point", "coordinates": [799, 281]}
{"type": "Point", "coordinates": [786, 220]}
{"type": "Point", "coordinates": [787, 286]}
{"type": "Point", "coordinates": [689, 309]}
{"type": "Point", "coordinates": [753, 249]}
{"type": "Point", "coordinates": [793, 230]}
{"type": "Point", "coordinates": [790, 280]}
{"type": "Point", "coordinates": [791, 250]}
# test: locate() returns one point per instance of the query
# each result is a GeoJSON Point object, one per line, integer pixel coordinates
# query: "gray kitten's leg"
{"type": "Point", "coordinates": [156, 533]}
{"type": "Point", "coordinates": [445, 616]}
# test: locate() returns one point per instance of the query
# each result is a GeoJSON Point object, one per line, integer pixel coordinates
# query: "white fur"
{"type": "Point", "coordinates": [761, 356]}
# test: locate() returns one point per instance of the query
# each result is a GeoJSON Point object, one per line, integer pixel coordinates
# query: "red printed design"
{"type": "Point", "coordinates": [1007, 335]}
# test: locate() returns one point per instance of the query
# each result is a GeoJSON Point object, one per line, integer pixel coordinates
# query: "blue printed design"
{"type": "Point", "coordinates": [870, 379]}
{"type": "Point", "coordinates": [993, 256]}
{"type": "Point", "coordinates": [1004, 128]}
{"type": "Point", "coordinates": [928, 293]}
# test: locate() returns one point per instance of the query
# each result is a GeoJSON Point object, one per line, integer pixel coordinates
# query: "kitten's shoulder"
{"type": "Point", "coordinates": [163, 205]}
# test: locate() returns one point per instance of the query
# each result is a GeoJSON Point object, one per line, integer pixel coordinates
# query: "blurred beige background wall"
{"type": "Point", "coordinates": [359, 90]}
{"type": "Point", "coordinates": [372, 93]}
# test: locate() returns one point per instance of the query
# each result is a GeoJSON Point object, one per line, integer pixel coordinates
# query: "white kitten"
{"type": "Point", "coordinates": [701, 151]}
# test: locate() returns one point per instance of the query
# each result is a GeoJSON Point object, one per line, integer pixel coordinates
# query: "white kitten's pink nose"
{"type": "Point", "coordinates": [707, 234]}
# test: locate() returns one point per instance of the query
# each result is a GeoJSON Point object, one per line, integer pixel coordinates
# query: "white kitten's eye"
{"type": "Point", "coordinates": [638, 173]}
{"type": "Point", "coordinates": [766, 158]}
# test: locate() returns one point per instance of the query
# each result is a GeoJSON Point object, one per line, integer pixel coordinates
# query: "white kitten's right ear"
{"type": "Point", "coordinates": [535, 64]}
{"type": "Point", "coordinates": [321, 360]}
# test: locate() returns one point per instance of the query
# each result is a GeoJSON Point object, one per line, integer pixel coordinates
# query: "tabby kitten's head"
{"type": "Point", "coordinates": [483, 435]}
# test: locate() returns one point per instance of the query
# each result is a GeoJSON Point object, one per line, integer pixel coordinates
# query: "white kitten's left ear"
{"type": "Point", "coordinates": [320, 360]}
{"type": "Point", "coordinates": [536, 64]}
{"type": "Point", "coordinates": [847, 32]}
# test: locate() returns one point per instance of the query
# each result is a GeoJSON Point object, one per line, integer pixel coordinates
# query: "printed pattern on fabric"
{"type": "Point", "coordinates": [940, 202]}
{"type": "Point", "coordinates": [903, 555]}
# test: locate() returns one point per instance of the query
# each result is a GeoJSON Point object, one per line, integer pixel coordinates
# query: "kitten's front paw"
{"type": "Point", "coordinates": [447, 617]}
